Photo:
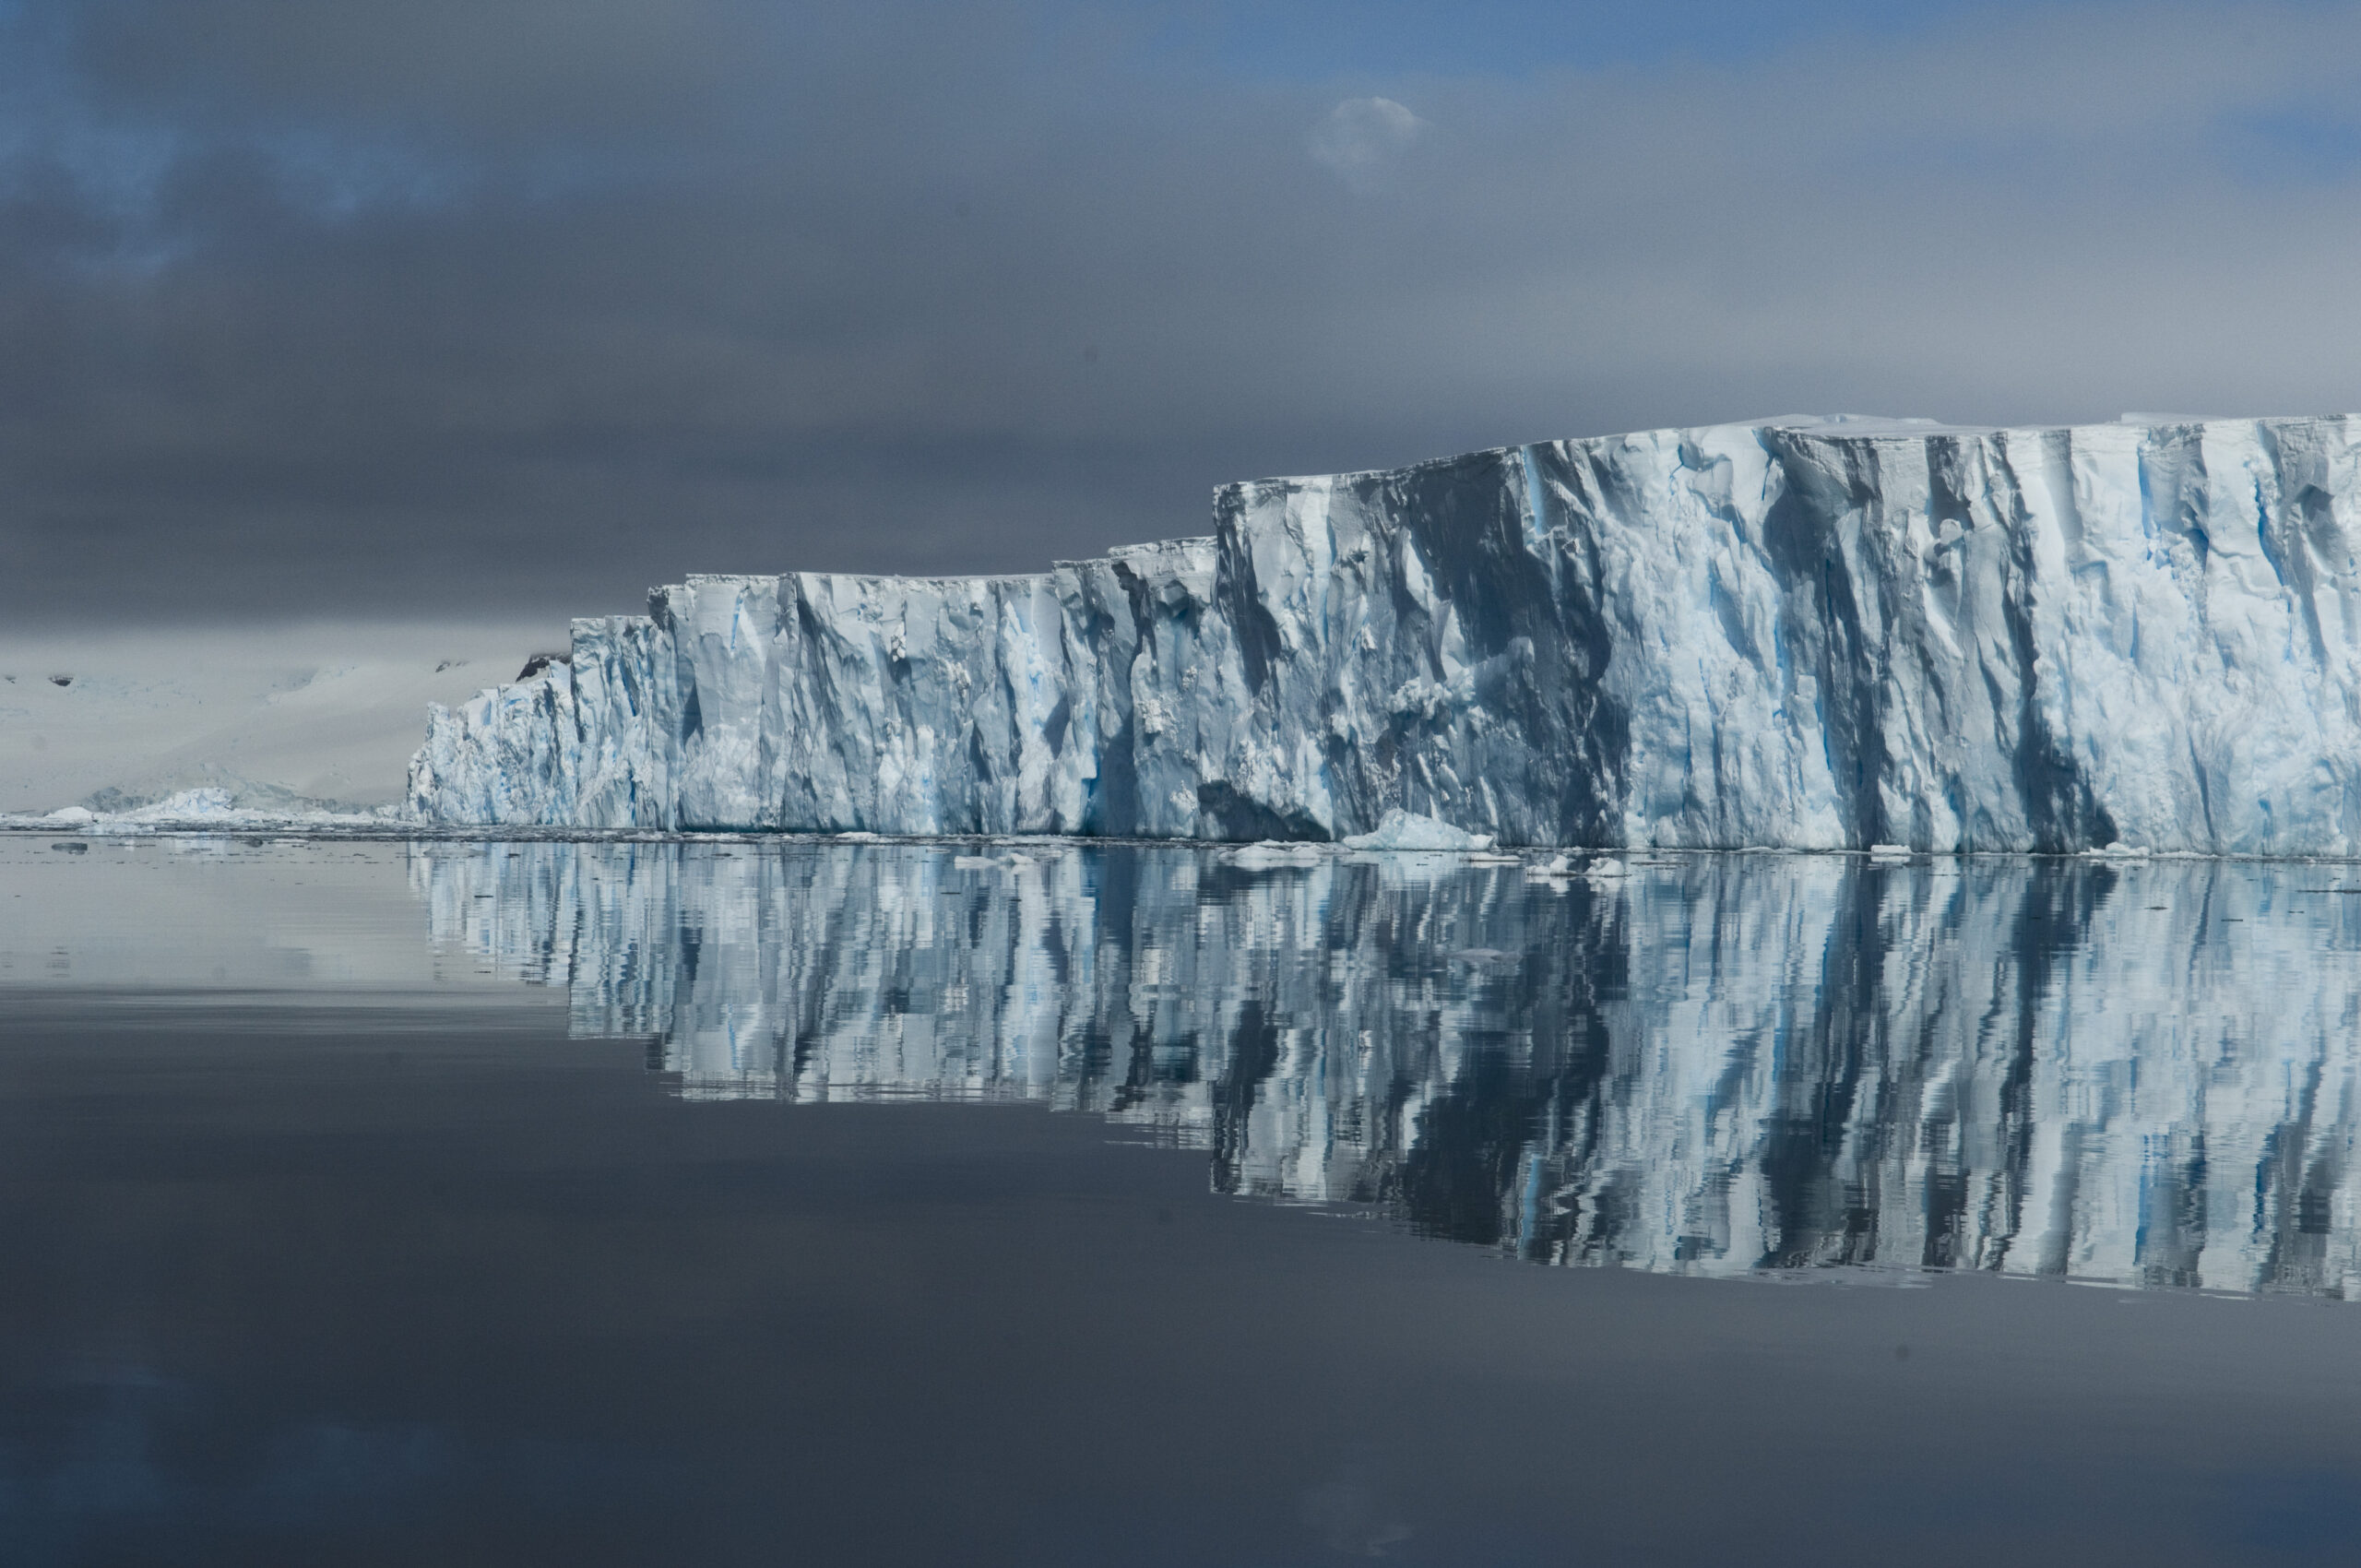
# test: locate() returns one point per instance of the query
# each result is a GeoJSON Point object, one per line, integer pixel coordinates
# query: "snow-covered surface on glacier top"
{"type": "Point", "coordinates": [1811, 633]}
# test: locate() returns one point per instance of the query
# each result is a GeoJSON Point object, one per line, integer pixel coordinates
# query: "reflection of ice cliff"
{"type": "Point", "coordinates": [2144, 1073]}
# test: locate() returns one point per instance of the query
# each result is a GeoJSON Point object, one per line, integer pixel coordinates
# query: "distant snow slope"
{"type": "Point", "coordinates": [276, 717]}
{"type": "Point", "coordinates": [1805, 634]}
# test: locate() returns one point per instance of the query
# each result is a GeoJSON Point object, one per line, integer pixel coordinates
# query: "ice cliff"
{"type": "Point", "coordinates": [1808, 634]}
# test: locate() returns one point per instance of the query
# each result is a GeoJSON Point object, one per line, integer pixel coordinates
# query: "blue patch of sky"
{"type": "Point", "coordinates": [2295, 147]}
{"type": "Point", "coordinates": [1325, 40]}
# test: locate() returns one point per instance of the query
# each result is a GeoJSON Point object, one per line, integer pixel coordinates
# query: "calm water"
{"type": "Point", "coordinates": [778, 1203]}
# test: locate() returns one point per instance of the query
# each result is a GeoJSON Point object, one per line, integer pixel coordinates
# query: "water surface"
{"type": "Point", "coordinates": [776, 1202]}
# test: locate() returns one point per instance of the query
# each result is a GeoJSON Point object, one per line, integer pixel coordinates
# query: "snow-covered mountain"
{"type": "Point", "coordinates": [275, 721]}
{"type": "Point", "coordinates": [2142, 1072]}
{"type": "Point", "coordinates": [1809, 634]}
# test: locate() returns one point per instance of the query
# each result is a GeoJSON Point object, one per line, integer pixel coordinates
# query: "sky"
{"type": "Point", "coordinates": [476, 308]}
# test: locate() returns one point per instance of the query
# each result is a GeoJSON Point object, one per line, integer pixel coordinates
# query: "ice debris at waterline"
{"type": "Point", "coordinates": [1408, 831]}
{"type": "Point", "coordinates": [1812, 634]}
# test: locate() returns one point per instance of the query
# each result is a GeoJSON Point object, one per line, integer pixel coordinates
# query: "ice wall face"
{"type": "Point", "coordinates": [1713, 1064]}
{"type": "Point", "coordinates": [1809, 634]}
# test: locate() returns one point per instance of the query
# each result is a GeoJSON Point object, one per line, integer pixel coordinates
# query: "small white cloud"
{"type": "Point", "coordinates": [1361, 139]}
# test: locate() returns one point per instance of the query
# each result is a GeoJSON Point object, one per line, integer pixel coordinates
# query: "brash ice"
{"type": "Point", "coordinates": [1808, 634]}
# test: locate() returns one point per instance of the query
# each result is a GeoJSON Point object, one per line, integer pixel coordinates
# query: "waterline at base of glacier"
{"type": "Point", "coordinates": [96, 827]}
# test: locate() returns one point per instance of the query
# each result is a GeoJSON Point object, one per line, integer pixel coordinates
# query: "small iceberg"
{"type": "Point", "coordinates": [1400, 831]}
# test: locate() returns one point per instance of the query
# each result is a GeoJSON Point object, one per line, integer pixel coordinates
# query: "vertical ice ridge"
{"type": "Point", "coordinates": [1802, 634]}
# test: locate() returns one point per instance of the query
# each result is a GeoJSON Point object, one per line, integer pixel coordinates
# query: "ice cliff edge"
{"type": "Point", "coordinates": [1811, 633]}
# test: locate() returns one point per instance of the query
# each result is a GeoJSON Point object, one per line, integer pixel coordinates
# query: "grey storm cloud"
{"type": "Point", "coordinates": [447, 306]}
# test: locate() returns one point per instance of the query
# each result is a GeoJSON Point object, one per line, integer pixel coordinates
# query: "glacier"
{"type": "Point", "coordinates": [1808, 634]}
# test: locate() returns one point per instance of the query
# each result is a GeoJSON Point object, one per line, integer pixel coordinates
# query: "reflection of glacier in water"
{"type": "Point", "coordinates": [1711, 1065]}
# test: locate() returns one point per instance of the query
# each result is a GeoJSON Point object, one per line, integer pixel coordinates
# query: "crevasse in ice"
{"type": "Point", "coordinates": [1809, 634]}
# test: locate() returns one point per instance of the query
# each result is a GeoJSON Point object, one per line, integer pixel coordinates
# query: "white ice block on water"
{"type": "Point", "coordinates": [1809, 634]}
{"type": "Point", "coordinates": [1402, 830]}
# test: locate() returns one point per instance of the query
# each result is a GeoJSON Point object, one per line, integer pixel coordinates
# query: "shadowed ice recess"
{"type": "Point", "coordinates": [1709, 1064]}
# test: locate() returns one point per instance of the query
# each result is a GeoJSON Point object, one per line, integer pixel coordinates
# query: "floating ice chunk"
{"type": "Point", "coordinates": [1558, 873]}
{"type": "Point", "coordinates": [1401, 830]}
{"type": "Point", "coordinates": [1605, 869]}
{"type": "Point", "coordinates": [1889, 851]}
